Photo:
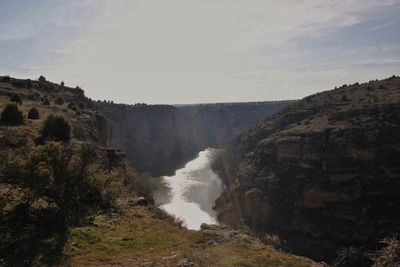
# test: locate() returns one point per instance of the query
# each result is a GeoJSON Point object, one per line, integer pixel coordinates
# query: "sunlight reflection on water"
{"type": "Point", "coordinates": [194, 189]}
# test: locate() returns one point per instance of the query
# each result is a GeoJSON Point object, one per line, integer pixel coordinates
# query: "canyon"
{"type": "Point", "coordinates": [320, 173]}
{"type": "Point", "coordinates": [323, 173]}
{"type": "Point", "coordinates": [159, 139]}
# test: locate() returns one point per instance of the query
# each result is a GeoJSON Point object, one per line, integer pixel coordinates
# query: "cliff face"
{"type": "Point", "coordinates": [160, 138]}
{"type": "Point", "coordinates": [323, 173]}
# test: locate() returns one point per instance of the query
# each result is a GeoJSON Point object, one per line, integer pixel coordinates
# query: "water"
{"type": "Point", "coordinates": [193, 191]}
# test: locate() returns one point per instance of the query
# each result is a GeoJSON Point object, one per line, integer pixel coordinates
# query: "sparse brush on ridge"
{"type": "Point", "coordinates": [42, 78]}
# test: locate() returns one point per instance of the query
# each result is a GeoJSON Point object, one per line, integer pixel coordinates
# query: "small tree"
{"type": "Point", "coordinates": [11, 115]}
{"type": "Point", "coordinates": [62, 83]}
{"type": "Point", "coordinates": [16, 98]}
{"type": "Point", "coordinates": [72, 106]}
{"type": "Point", "coordinates": [29, 84]}
{"type": "Point", "coordinates": [6, 79]}
{"type": "Point", "coordinates": [33, 114]}
{"type": "Point", "coordinates": [56, 128]}
{"type": "Point", "coordinates": [46, 101]}
{"type": "Point", "coordinates": [81, 105]}
{"type": "Point", "coordinates": [42, 79]}
{"type": "Point", "coordinates": [59, 101]}
{"type": "Point", "coordinates": [344, 98]}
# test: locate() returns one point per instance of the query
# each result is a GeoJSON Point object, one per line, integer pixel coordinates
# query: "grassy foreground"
{"type": "Point", "coordinates": [142, 236]}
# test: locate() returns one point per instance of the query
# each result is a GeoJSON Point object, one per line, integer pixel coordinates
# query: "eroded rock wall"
{"type": "Point", "coordinates": [324, 173]}
{"type": "Point", "coordinates": [160, 138]}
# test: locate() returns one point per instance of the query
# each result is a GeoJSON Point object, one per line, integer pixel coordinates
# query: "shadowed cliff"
{"type": "Point", "coordinates": [160, 138]}
{"type": "Point", "coordinates": [323, 173]}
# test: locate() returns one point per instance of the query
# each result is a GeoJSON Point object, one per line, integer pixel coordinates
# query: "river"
{"type": "Point", "coordinates": [193, 191]}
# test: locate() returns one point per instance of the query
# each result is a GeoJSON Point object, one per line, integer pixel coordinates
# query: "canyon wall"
{"type": "Point", "coordinates": [323, 173]}
{"type": "Point", "coordinates": [160, 138]}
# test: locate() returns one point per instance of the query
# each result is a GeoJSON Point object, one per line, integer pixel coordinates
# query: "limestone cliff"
{"type": "Point", "coordinates": [160, 138]}
{"type": "Point", "coordinates": [323, 173]}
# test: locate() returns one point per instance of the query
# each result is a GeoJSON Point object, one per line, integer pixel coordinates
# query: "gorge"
{"type": "Point", "coordinates": [320, 174]}
{"type": "Point", "coordinates": [160, 138]}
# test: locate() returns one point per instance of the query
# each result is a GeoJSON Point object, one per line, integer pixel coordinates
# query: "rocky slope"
{"type": "Point", "coordinates": [76, 203]}
{"type": "Point", "coordinates": [323, 173]}
{"type": "Point", "coordinates": [160, 138]}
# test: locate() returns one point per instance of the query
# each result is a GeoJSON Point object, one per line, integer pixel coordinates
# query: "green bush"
{"type": "Point", "coordinates": [33, 114]}
{"type": "Point", "coordinates": [18, 83]}
{"type": "Point", "coordinates": [16, 98]}
{"type": "Point", "coordinates": [72, 106]}
{"type": "Point", "coordinates": [81, 106]}
{"type": "Point", "coordinates": [11, 115]}
{"type": "Point", "coordinates": [42, 79]}
{"type": "Point", "coordinates": [59, 101]}
{"type": "Point", "coordinates": [46, 101]}
{"type": "Point", "coordinates": [56, 128]}
{"type": "Point", "coordinates": [29, 84]}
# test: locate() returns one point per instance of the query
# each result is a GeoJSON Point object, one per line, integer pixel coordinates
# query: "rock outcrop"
{"type": "Point", "coordinates": [324, 173]}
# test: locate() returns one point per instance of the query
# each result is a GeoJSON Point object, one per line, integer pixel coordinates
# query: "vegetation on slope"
{"type": "Point", "coordinates": [67, 200]}
{"type": "Point", "coordinates": [323, 174]}
{"type": "Point", "coordinates": [145, 236]}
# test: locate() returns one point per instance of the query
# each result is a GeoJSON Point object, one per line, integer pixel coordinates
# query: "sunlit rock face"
{"type": "Point", "coordinates": [160, 138]}
{"type": "Point", "coordinates": [323, 173]}
{"type": "Point", "coordinates": [193, 191]}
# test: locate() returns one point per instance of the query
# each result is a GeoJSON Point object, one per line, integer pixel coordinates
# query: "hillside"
{"type": "Point", "coordinates": [66, 199]}
{"type": "Point", "coordinates": [323, 173]}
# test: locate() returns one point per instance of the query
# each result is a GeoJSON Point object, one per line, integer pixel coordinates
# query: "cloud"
{"type": "Point", "coordinates": [205, 51]}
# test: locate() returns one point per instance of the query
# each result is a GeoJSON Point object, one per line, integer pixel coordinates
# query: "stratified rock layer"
{"type": "Point", "coordinates": [160, 138]}
{"type": "Point", "coordinates": [324, 173]}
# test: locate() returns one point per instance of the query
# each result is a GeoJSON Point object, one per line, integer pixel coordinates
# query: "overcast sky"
{"type": "Point", "coordinates": [196, 51]}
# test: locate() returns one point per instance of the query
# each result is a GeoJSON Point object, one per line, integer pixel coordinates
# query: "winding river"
{"type": "Point", "coordinates": [193, 191]}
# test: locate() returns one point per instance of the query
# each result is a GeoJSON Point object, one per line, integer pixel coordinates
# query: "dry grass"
{"type": "Point", "coordinates": [137, 237]}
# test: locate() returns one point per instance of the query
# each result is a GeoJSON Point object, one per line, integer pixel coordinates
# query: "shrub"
{"type": "Point", "coordinates": [81, 105]}
{"type": "Point", "coordinates": [59, 101]}
{"type": "Point", "coordinates": [33, 114]}
{"type": "Point", "coordinates": [62, 83]}
{"type": "Point", "coordinates": [29, 84]}
{"type": "Point", "coordinates": [19, 83]}
{"type": "Point", "coordinates": [79, 90]}
{"type": "Point", "coordinates": [46, 101]}
{"type": "Point", "coordinates": [42, 79]}
{"type": "Point", "coordinates": [34, 96]}
{"type": "Point", "coordinates": [16, 98]}
{"type": "Point", "coordinates": [72, 106]}
{"type": "Point", "coordinates": [6, 79]}
{"type": "Point", "coordinates": [344, 98]}
{"type": "Point", "coordinates": [11, 115]}
{"type": "Point", "coordinates": [389, 255]}
{"type": "Point", "coordinates": [56, 128]}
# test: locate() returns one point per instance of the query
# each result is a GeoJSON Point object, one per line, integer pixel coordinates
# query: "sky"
{"type": "Point", "coordinates": [200, 51]}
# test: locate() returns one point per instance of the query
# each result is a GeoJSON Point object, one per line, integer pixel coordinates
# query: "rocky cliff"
{"type": "Point", "coordinates": [160, 138]}
{"type": "Point", "coordinates": [323, 173]}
